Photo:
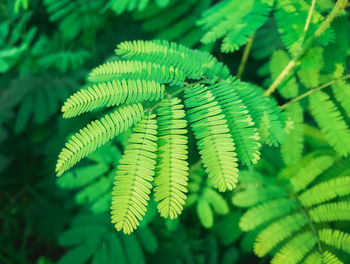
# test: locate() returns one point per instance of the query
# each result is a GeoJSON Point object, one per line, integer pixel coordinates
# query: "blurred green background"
{"type": "Point", "coordinates": [47, 48]}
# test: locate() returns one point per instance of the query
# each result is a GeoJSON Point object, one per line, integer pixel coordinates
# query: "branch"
{"type": "Point", "coordinates": [309, 16]}
{"type": "Point", "coordinates": [338, 7]}
{"type": "Point", "coordinates": [325, 85]}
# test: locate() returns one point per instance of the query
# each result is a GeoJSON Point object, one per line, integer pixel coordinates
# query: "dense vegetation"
{"type": "Point", "coordinates": [216, 132]}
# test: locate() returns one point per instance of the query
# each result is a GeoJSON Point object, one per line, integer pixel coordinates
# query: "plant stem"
{"type": "Point", "coordinates": [245, 57]}
{"type": "Point", "coordinates": [280, 78]}
{"type": "Point", "coordinates": [307, 24]}
{"type": "Point", "coordinates": [313, 90]}
{"type": "Point", "coordinates": [338, 7]}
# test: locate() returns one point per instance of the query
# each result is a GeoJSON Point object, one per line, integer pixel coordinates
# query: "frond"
{"type": "Point", "coordinates": [292, 147]}
{"type": "Point", "coordinates": [337, 211]}
{"type": "Point", "coordinates": [326, 258]}
{"type": "Point", "coordinates": [335, 238]}
{"type": "Point", "coordinates": [297, 11]}
{"type": "Point", "coordinates": [134, 176]}
{"type": "Point", "coordinates": [331, 122]}
{"type": "Point", "coordinates": [313, 258]}
{"type": "Point", "coordinates": [118, 70]}
{"type": "Point", "coordinates": [277, 232]}
{"type": "Point", "coordinates": [112, 93]}
{"type": "Point", "coordinates": [64, 60]}
{"type": "Point", "coordinates": [96, 134]}
{"type": "Point", "coordinates": [193, 63]}
{"type": "Point", "coordinates": [341, 91]}
{"type": "Point", "coordinates": [266, 212]}
{"type": "Point", "coordinates": [254, 195]}
{"type": "Point", "coordinates": [308, 172]}
{"type": "Point", "coordinates": [326, 191]}
{"type": "Point", "coordinates": [289, 87]}
{"type": "Point", "coordinates": [81, 176]}
{"type": "Point", "coordinates": [233, 20]}
{"type": "Point", "coordinates": [330, 258]}
{"type": "Point", "coordinates": [172, 168]}
{"type": "Point", "coordinates": [246, 27]}
{"type": "Point", "coordinates": [266, 114]}
{"type": "Point", "coordinates": [214, 142]}
{"type": "Point", "coordinates": [240, 122]}
{"type": "Point", "coordinates": [295, 250]}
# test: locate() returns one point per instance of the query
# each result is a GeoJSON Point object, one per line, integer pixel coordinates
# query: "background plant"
{"type": "Point", "coordinates": [296, 52]}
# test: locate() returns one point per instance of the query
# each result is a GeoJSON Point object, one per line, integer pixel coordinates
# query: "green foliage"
{"type": "Point", "coordinates": [94, 242]}
{"type": "Point", "coordinates": [302, 222]}
{"type": "Point", "coordinates": [172, 167]}
{"type": "Point", "coordinates": [134, 176]}
{"type": "Point", "coordinates": [162, 128]}
{"type": "Point", "coordinates": [94, 180]}
{"type": "Point", "coordinates": [209, 107]}
{"type": "Point", "coordinates": [206, 199]}
{"type": "Point", "coordinates": [235, 21]}
{"type": "Point", "coordinates": [175, 22]}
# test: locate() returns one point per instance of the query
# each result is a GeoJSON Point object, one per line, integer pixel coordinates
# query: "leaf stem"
{"type": "Point", "coordinates": [313, 90]}
{"type": "Point", "coordinates": [307, 24]}
{"type": "Point", "coordinates": [338, 7]}
{"type": "Point", "coordinates": [245, 57]}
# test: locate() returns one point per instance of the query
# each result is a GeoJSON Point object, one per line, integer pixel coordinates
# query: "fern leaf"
{"type": "Point", "coordinates": [335, 238]}
{"type": "Point", "coordinates": [222, 18]}
{"type": "Point", "coordinates": [292, 147]}
{"type": "Point", "coordinates": [326, 191]}
{"type": "Point", "coordinates": [331, 122]}
{"type": "Point", "coordinates": [194, 64]}
{"type": "Point", "coordinates": [341, 91]}
{"type": "Point", "coordinates": [295, 250]}
{"type": "Point", "coordinates": [265, 112]}
{"type": "Point", "coordinates": [112, 93]}
{"type": "Point", "coordinates": [307, 173]}
{"type": "Point", "coordinates": [246, 27]}
{"type": "Point", "coordinates": [330, 258]}
{"type": "Point", "coordinates": [96, 134]}
{"type": "Point", "coordinates": [213, 139]}
{"type": "Point", "coordinates": [265, 212]}
{"type": "Point", "coordinates": [172, 168]}
{"type": "Point", "coordinates": [254, 195]}
{"type": "Point", "coordinates": [277, 232]}
{"type": "Point", "coordinates": [326, 258]}
{"type": "Point", "coordinates": [134, 176]}
{"type": "Point", "coordinates": [82, 176]}
{"type": "Point", "coordinates": [313, 258]}
{"type": "Point", "coordinates": [337, 211]}
{"type": "Point", "coordinates": [297, 11]}
{"type": "Point", "coordinates": [239, 121]}
{"type": "Point", "coordinates": [137, 70]}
